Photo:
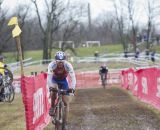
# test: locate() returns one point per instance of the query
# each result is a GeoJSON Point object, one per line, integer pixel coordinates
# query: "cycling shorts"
{"type": "Point", "coordinates": [63, 83]}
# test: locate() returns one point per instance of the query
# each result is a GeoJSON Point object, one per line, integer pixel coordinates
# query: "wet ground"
{"type": "Point", "coordinates": [110, 109]}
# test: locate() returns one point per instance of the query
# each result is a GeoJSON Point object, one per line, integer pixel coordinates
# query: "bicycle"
{"type": "Point", "coordinates": [58, 120]}
{"type": "Point", "coordinates": [7, 89]}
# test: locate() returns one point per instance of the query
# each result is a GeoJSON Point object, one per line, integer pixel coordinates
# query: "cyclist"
{"type": "Point", "coordinates": [153, 56]}
{"type": "Point", "coordinates": [137, 53]}
{"type": "Point", "coordinates": [2, 72]}
{"type": "Point", "coordinates": [58, 71]}
{"type": "Point", "coordinates": [103, 71]}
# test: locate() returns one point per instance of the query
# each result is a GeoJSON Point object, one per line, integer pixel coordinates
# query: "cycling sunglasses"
{"type": "Point", "coordinates": [60, 61]}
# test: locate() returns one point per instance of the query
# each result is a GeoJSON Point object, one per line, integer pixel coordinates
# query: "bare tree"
{"type": "Point", "coordinates": [131, 12]}
{"type": "Point", "coordinates": [53, 10]}
{"type": "Point", "coordinates": [106, 27]}
{"type": "Point", "coordinates": [59, 14]}
{"type": "Point", "coordinates": [4, 36]}
{"type": "Point", "coordinates": [152, 9]}
{"type": "Point", "coordinates": [70, 28]}
{"type": "Point", "coordinates": [120, 18]}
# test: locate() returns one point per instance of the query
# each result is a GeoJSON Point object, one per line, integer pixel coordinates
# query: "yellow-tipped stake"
{"type": "Point", "coordinates": [16, 34]}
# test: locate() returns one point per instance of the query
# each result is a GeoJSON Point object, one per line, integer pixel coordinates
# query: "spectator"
{"type": "Point", "coordinates": [96, 55]}
{"type": "Point", "coordinates": [137, 53]}
{"type": "Point", "coordinates": [147, 54]}
{"type": "Point", "coordinates": [153, 56]}
{"type": "Point", "coordinates": [126, 54]}
{"type": "Point", "coordinates": [157, 39]}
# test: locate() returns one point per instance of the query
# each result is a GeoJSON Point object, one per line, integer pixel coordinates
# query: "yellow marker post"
{"type": "Point", "coordinates": [16, 34]}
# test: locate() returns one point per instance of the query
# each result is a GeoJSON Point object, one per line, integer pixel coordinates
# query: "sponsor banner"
{"type": "Point", "coordinates": [114, 78]}
{"type": "Point", "coordinates": [148, 86]}
{"type": "Point", "coordinates": [156, 99]}
{"type": "Point", "coordinates": [129, 80]}
{"type": "Point", "coordinates": [92, 79]}
{"type": "Point", "coordinates": [144, 83]}
{"type": "Point", "coordinates": [124, 79]}
{"type": "Point", "coordinates": [35, 96]}
{"type": "Point", "coordinates": [85, 80]}
{"type": "Point", "coordinates": [135, 84]}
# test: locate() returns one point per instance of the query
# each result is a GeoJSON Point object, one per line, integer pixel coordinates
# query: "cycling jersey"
{"type": "Point", "coordinates": [60, 73]}
{"type": "Point", "coordinates": [2, 68]}
{"type": "Point", "coordinates": [103, 70]}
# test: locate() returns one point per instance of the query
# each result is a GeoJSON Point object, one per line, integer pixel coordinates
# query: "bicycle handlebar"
{"type": "Point", "coordinates": [62, 91]}
{"type": "Point", "coordinates": [70, 90]}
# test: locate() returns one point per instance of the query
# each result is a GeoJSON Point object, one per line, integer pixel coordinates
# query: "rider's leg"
{"type": "Point", "coordinates": [53, 95]}
{"type": "Point", "coordinates": [101, 79]}
{"type": "Point", "coordinates": [105, 78]}
{"type": "Point", "coordinates": [66, 100]}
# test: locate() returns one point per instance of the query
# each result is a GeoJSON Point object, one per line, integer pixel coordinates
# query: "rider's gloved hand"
{"type": "Point", "coordinates": [5, 66]}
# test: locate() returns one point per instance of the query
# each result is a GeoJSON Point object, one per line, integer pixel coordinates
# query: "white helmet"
{"type": "Point", "coordinates": [60, 55]}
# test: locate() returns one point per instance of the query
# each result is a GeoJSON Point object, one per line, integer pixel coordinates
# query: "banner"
{"type": "Point", "coordinates": [35, 96]}
{"type": "Point", "coordinates": [88, 80]}
{"type": "Point", "coordinates": [144, 83]}
{"type": "Point", "coordinates": [135, 84]}
{"type": "Point", "coordinates": [125, 80]}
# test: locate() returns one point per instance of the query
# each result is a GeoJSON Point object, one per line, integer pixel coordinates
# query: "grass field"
{"type": "Point", "coordinates": [37, 54]}
{"type": "Point", "coordinates": [12, 115]}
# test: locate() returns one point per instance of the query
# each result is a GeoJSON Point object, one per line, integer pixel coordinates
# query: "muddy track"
{"type": "Point", "coordinates": [110, 109]}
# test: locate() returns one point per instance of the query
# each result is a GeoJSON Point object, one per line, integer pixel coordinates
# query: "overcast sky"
{"type": "Point", "coordinates": [97, 6]}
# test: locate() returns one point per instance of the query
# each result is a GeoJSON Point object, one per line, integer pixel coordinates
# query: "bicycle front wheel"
{"type": "Point", "coordinates": [103, 83]}
{"type": "Point", "coordinates": [9, 93]}
{"type": "Point", "coordinates": [59, 124]}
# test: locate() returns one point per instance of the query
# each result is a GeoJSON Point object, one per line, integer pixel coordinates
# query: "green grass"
{"type": "Point", "coordinates": [35, 54]}
{"type": "Point", "coordinates": [84, 51]}
{"type": "Point", "coordinates": [12, 115]}
{"type": "Point", "coordinates": [117, 48]}
{"type": "Point", "coordinates": [156, 48]}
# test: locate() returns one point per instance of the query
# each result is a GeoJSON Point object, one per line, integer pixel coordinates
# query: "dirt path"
{"type": "Point", "coordinates": [110, 109]}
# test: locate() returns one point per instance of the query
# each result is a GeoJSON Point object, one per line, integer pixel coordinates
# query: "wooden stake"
{"type": "Point", "coordinates": [18, 42]}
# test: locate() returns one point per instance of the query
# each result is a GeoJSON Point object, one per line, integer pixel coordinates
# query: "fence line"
{"type": "Point", "coordinates": [142, 61]}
